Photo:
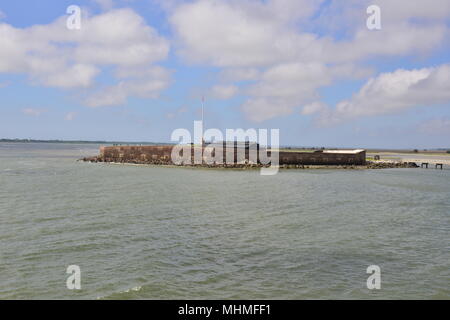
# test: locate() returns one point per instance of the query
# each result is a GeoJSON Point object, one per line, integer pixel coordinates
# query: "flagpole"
{"type": "Point", "coordinates": [203, 103]}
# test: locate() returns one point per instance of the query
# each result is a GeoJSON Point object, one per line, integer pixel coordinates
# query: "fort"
{"type": "Point", "coordinates": [238, 155]}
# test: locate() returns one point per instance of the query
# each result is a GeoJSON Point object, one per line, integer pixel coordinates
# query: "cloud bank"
{"type": "Point", "coordinates": [270, 43]}
{"type": "Point", "coordinates": [275, 54]}
{"type": "Point", "coordinates": [54, 56]}
{"type": "Point", "coordinates": [391, 92]}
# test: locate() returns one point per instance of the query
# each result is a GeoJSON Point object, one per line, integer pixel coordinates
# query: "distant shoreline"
{"type": "Point", "coordinates": [82, 142]}
{"type": "Point", "coordinates": [293, 148]}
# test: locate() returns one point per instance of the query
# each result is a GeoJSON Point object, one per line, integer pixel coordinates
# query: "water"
{"type": "Point", "coordinates": [175, 233]}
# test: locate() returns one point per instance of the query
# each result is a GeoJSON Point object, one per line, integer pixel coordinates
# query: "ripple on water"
{"type": "Point", "coordinates": [166, 233]}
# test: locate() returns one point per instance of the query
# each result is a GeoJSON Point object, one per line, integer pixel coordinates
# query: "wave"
{"type": "Point", "coordinates": [121, 294]}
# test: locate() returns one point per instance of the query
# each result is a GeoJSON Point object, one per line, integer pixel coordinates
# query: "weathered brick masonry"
{"type": "Point", "coordinates": [323, 158]}
{"type": "Point", "coordinates": [136, 154]}
{"type": "Point", "coordinates": [162, 155]}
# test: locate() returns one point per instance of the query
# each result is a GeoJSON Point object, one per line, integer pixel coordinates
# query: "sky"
{"type": "Point", "coordinates": [136, 70]}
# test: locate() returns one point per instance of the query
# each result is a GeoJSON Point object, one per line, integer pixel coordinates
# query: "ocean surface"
{"type": "Point", "coordinates": [148, 232]}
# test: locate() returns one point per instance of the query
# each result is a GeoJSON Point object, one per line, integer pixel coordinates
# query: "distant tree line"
{"type": "Point", "coordinates": [81, 141]}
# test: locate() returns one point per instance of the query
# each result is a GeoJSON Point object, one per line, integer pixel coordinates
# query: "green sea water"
{"type": "Point", "coordinates": [148, 232]}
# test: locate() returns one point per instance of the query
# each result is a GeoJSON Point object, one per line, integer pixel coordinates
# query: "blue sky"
{"type": "Point", "coordinates": [136, 70]}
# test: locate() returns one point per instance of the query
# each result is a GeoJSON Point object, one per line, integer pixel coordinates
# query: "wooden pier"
{"type": "Point", "coordinates": [424, 163]}
{"type": "Point", "coordinates": [436, 165]}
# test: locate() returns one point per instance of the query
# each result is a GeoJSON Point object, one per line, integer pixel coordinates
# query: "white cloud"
{"type": "Point", "coordinates": [2, 15]}
{"type": "Point", "coordinates": [313, 108]}
{"type": "Point", "coordinates": [406, 9]}
{"type": "Point", "coordinates": [240, 33]}
{"type": "Point", "coordinates": [345, 17]}
{"type": "Point", "coordinates": [393, 92]}
{"type": "Point", "coordinates": [78, 75]}
{"type": "Point", "coordinates": [284, 87]}
{"type": "Point", "coordinates": [224, 91]}
{"type": "Point", "coordinates": [240, 74]}
{"type": "Point", "coordinates": [33, 112]}
{"type": "Point", "coordinates": [52, 55]}
{"type": "Point", "coordinates": [143, 83]}
{"type": "Point", "coordinates": [398, 40]}
{"type": "Point", "coordinates": [70, 116]}
{"type": "Point", "coordinates": [282, 80]}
